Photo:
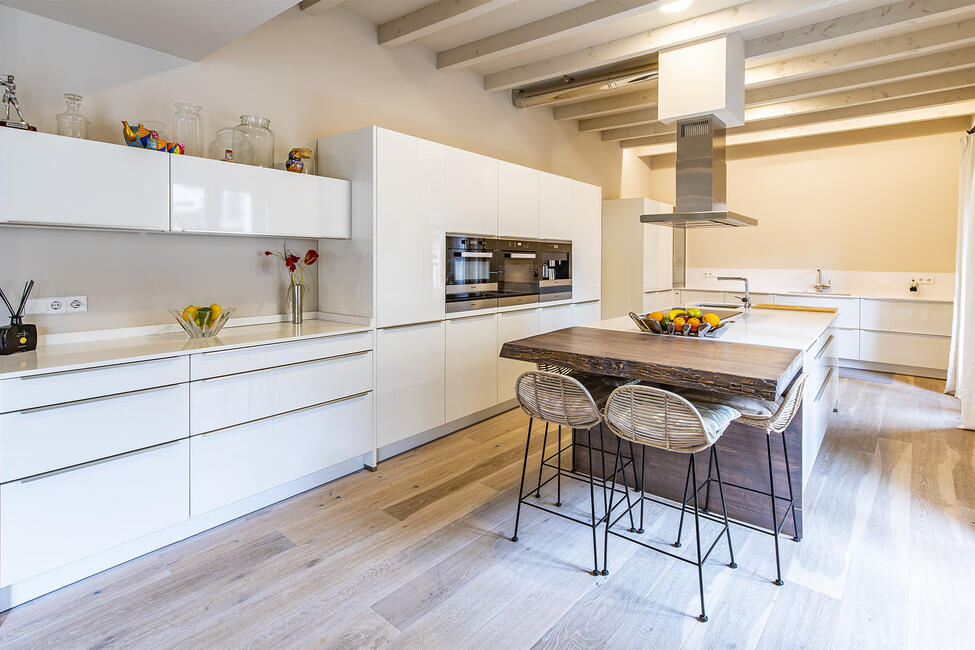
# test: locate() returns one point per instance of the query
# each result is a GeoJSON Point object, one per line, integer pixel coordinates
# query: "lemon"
{"type": "Point", "coordinates": [189, 314]}
{"type": "Point", "coordinates": [215, 311]}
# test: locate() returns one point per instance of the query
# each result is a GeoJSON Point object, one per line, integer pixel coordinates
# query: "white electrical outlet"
{"type": "Point", "coordinates": [707, 274]}
{"type": "Point", "coordinates": [55, 305]}
{"type": "Point", "coordinates": [923, 279]}
{"type": "Point", "coordinates": [77, 304]}
{"type": "Point", "coordinates": [36, 306]}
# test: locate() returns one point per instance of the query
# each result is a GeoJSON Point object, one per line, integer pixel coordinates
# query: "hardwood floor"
{"type": "Point", "coordinates": [416, 555]}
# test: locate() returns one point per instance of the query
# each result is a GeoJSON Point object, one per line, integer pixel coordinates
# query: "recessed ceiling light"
{"type": "Point", "coordinates": [675, 6]}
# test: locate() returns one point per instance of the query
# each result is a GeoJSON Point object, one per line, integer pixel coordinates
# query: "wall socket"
{"type": "Point", "coordinates": [923, 279]}
{"type": "Point", "coordinates": [707, 274]}
{"type": "Point", "coordinates": [57, 305]}
{"type": "Point", "coordinates": [76, 304]}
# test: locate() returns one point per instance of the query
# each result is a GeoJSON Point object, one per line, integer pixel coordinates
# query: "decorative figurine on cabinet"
{"type": "Point", "coordinates": [143, 138]}
{"type": "Point", "coordinates": [10, 99]}
{"type": "Point", "coordinates": [295, 162]}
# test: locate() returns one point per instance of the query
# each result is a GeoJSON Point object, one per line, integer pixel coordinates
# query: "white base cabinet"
{"type": "Point", "coordinates": [514, 325]}
{"type": "Point", "coordinates": [586, 313]}
{"type": "Point", "coordinates": [472, 365]}
{"type": "Point", "coordinates": [554, 317]}
{"type": "Point", "coordinates": [410, 381]}
{"type": "Point", "coordinates": [914, 350]}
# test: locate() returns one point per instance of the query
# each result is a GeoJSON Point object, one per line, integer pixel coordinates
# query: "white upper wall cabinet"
{"type": "Point", "coordinates": [556, 212]}
{"type": "Point", "coordinates": [52, 180]}
{"type": "Point", "coordinates": [518, 200]}
{"type": "Point", "coordinates": [214, 196]}
{"type": "Point", "coordinates": [586, 241]}
{"type": "Point", "coordinates": [409, 229]}
{"type": "Point", "coordinates": [471, 193]}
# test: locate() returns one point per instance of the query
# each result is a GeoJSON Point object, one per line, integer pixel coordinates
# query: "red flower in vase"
{"type": "Point", "coordinates": [311, 257]}
{"type": "Point", "coordinates": [296, 265]}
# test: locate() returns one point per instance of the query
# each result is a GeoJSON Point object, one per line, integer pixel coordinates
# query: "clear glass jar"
{"type": "Point", "coordinates": [254, 141]}
{"type": "Point", "coordinates": [188, 128]}
{"type": "Point", "coordinates": [71, 122]}
{"type": "Point", "coordinates": [221, 144]}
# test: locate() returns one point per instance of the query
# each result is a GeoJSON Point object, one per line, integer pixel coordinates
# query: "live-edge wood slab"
{"type": "Point", "coordinates": [734, 368]}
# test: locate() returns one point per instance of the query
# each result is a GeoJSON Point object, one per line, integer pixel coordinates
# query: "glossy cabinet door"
{"type": "Point", "coordinates": [586, 242]}
{"type": "Point", "coordinates": [518, 200]}
{"type": "Point", "coordinates": [556, 211]}
{"type": "Point", "coordinates": [410, 227]}
{"type": "Point", "coordinates": [555, 317]}
{"type": "Point", "coordinates": [658, 255]}
{"type": "Point", "coordinates": [471, 193]}
{"type": "Point", "coordinates": [213, 196]}
{"type": "Point", "coordinates": [514, 325]}
{"type": "Point", "coordinates": [409, 381]}
{"type": "Point", "coordinates": [472, 365]}
{"type": "Point", "coordinates": [688, 296]}
{"type": "Point", "coordinates": [53, 180]}
{"type": "Point", "coordinates": [917, 350]}
{"type": "Point", "coordinates": [906, 316]}
{"type": "Point", "coordinates": [586, 313]}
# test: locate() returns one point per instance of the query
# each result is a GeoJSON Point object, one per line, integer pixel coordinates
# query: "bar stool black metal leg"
{"type": "Point", "coordinates": [724, 508]}
{"type": "Point", "coordinates": [592, 506]}
{"type": "Point", "coordinates": [558, 477]}
{"type": "Point", "coordinates": [643, 473]}
{"type": "Point", "coordinates": [707, 492]}
{"type": "Point", "coordinates": [602, 466]}
{"type": "Point", "coordinates": [775, 516]}
{"type": "Point", "coordinates": [541, 465]}
{"type": "Point", "coordinates": [633, 465]}
{"type": "Point", "coordinates": [609, 511]}
{"type": "Point", "coordinates": [521, 486]}
{"type": "Point", "coordinates": [683, 504]}
{"type": "Point", "coordinates": [697, 538]}
{"type": "Point", "coordinates": [792, 499]}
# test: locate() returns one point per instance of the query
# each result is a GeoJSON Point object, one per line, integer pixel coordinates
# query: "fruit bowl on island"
{"type": "Point", "coordinates": [203, 322]}
{"type": "Point", "coordinates": [680, 322]}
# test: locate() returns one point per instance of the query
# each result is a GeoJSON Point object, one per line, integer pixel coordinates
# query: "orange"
{"type": "Point", "coordinates": [711, 319]}
{"type": "Point", "coordinates": [679, 323]}
{"type": "Point", "coordinates": [695, 323]}
{"type": "Point", "coordinates": [657, 316]}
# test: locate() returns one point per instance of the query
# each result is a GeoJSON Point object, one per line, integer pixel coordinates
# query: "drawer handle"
{"type": "Point", "coordinates": [277, 415]}
{"type": "Point", "coordinates": [55, 224]}
{"type": "Point", "coordinates": [586, 302]}
{"type": "Point", "coordinates": [287, 365]}
{"type": "Point", "coordinates": [271, 345]}
{"type": "Point", "coordinates": [421, 323]}
{"type": "Point", "coordinates": [822, 389]}
{"type": "Point", "coordinates": [822, 350]}
{"type": "Point", "coordinates": [92, 463]}
{"type": "Point", "coordinates": [491, 315]}
{"type": "Point", "coordinates": [94, 368]}
{"type": "Point", "coordinates": [92, 400]}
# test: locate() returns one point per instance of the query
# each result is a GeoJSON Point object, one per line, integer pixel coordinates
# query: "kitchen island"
{"type": "Point", "coordinates": [759, 355]}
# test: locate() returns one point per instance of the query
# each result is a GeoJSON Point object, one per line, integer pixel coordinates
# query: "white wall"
{"type": "Point", "coordinates": [312, 76]}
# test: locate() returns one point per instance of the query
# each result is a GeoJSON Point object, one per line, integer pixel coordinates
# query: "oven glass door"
{"type": "Point", "coordinates": [519, 277]}
{"type": "Point", "coordinates": [471, 271]}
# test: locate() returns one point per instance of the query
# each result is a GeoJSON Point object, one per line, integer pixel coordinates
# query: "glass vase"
{"type": "Point", "coordinates": [188, 128]}
{"type": "Point", "coordinates": [71, 122]}
{"type": "Point", "coordinates": [254, 141]}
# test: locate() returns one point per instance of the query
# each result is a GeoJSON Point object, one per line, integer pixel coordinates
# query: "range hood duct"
{"type": "Point", "coordinates": [596, 83]}
{"type": "Point", "coordinates": [701, 183]}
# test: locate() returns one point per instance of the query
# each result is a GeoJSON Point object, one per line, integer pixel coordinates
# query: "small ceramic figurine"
{"type": "Point", "coordinates": [143, 138]}
{"type": "Point", "coordinates": [295, 162]}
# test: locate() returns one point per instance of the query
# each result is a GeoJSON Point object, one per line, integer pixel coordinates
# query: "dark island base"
{"type": "Point", "coordinates": [744, 460]}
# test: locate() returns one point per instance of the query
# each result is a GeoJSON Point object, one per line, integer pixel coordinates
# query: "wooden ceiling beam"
{"type": "Point", "coordinates": [434, 17]}
{"type": "Point", "coordinates": [630, 118]}
{"type": "Point", "coordinates": [318, 7]}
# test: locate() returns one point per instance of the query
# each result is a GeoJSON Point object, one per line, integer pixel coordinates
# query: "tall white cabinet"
{"type": "Point", "coordinates": [518, 200]}
{"type": "Point", "coordinates": [471, 192]}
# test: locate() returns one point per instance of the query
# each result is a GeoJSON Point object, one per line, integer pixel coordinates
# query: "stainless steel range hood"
{"type": "Point", "coordinates": [701, 178]}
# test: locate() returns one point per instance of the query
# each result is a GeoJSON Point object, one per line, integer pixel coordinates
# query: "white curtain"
{"type": "Point", "coordinates": [961, 362]}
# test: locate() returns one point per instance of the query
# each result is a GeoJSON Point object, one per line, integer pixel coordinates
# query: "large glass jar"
{"type": "Point", "coordinates": [71, 122]}
{"type": "Point", "coordinates": [188, 128]}
{"type": "Point", "coordinates": [254, 141]}
{"type": "Point", "coordinates": [222, 143]}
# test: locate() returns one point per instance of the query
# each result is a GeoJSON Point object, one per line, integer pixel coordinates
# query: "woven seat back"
{"type": "Point", "coordinates": [656, 418]}
{"type": "Point", "coordinates": [556, 398]}
{"type": "Point", "coordinates": [787, 410]}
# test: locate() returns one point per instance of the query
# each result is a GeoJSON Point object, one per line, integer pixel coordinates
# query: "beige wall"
{"type": "Point", "coordinates": [881, 199]}
{"type": "Point", "coordinates": [312, 76]}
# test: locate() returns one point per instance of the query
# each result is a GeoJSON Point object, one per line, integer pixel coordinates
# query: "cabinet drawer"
{"type": "Point", "coordinates": [57, 518]}
{"type": "Point", "coordinates": [848, 309]}
{"type": "Point", "coordinates": [586, 313]}
{"type": "Point", "coordinates": [918, 350]}
{"type": "Point", "coordinates": [849, 343]}
{"type": "Point", "coordinates": [472, 365]}
{"type": "Point", "coordinates": [907, 317]}
{"type": "Point", "coordinates": [229, 362]}
{"type": "Point", "coordinates": [226, 401]}
{"type": "Point", "coordinates": [69, 386]}
{"type": "Point", "coordinates": [820, 358]}
{"type": "Point", "coordinates": [40, 440]}
{"type": "Point", "coordinates": [555, 318]}
{"type": "Point", "coordinates": [235, 463]}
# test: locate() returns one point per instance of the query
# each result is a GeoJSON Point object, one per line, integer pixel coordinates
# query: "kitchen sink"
{"type": "Point", "coordinates": [721, 310]}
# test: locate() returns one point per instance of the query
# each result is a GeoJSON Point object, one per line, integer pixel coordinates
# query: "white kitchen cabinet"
{"type": "Point", "coordinates": [848, 343]}
{"type": "Point", "coordinates": [227, 401]}
{"type": "Point", "coordinates": [213, 196]}
{"type": "Point", "coordinates": [556, 210]}
{"type": "Point", "coordinates": [917, 350]}
{"type": "Point", "coordinates": [514, 325]}
{"type": "Point", "coordinates": [554, 317]}
{"type": "Point", "coordinates": [847, 309]}
{"type": "Point", "coordinates": [472, 365]}
{"type": "Point", "coordinates": [518, 200]}
{"type": "Point", "coordinates": [658, 253]}
{"type": "Point", "coordinates": [471, 193]}
{"type": "Point", "coordinates": [586, 313]}
{"type": "Point", "coordinates": [57, 518]}
{"type": "Point", "coordinates": [734, 297]}
{"type": "Point", "coordinates": [54, 180]}
{"type": "Point", "coordinates": [410, 380]}
{"type": "Point", "coordinates": [239, 462]}
{"type": "Point", "coordinates": [635, 258]}
{"type": "Point", "coordinates": [410, 228]}
{"type": "Point", "coordinates": [586, 242]}
{"type": "Point", "coordinates": [692, 296]}
{"type": "Point", "coordinates": [905, 316]}
{"type": "Point", "coordinates": [662, 301]}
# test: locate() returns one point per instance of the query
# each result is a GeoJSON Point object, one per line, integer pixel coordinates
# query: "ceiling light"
{"type": "Point", "coordinates": [675, 6]}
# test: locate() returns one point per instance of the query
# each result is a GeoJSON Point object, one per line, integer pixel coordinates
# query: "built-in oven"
{"type": "Point", "coordinates": [472, 273]}
{"type": "Point", "coordinates": [518, 272]}
{"type": "Point", "coordinates": [555, 282]}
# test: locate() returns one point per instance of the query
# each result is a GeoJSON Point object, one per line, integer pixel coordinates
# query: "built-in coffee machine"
{"type": "Point", "coordinates": [555, 282]}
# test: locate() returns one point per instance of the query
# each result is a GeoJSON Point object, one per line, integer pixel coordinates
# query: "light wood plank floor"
{"type": "Point", "coordinates": [415, 555]}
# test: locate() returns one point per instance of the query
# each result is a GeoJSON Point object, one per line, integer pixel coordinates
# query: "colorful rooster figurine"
{"type": "Point", "coordinates": [143, 138]}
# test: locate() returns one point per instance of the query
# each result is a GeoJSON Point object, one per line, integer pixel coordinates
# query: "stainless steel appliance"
{"type": "Point", "coordinates": [555, 282]}
{"type": "Point", "coordinates": [472, 273]}
{"type": "Point", "coordinates": [518, 272]}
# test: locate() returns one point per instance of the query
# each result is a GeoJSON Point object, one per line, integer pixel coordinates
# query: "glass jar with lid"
{"type": "Point", "coordinates": [71, 122]}
{"type": "Point", "coordinates": [254, 141]}
{"type": "Point", "coordinates": [188, 128]}
{"type": "Point", "coordinates": [222, 143]}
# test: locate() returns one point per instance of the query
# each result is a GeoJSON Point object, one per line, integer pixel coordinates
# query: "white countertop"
{"type": "Point", "coordinates": [770, 327]}
{"type": "Point", "coordinates": [866, 295]}
{"type": "Point", "coordinates": [72, 356]}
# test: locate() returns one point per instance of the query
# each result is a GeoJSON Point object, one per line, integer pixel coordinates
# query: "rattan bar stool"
{"type": "Point", "coordinates": [564, 401]}
{"type": "Point", "coordinates": [653, 417]}
{"type": "Point", "coordinates": [774, 418]}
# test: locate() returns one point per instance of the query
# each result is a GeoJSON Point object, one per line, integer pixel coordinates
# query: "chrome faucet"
{"type": "Point", "coordinates": [820, 286]}
{"type": "Point", "coordinates": [747, 299]}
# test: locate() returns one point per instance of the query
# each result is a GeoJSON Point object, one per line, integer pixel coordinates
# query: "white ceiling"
{"type": "Point", "coordinates": [190, 29]}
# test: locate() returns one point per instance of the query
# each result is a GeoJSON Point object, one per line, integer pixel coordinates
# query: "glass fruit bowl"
{"type": "Point", "coordinates": [202, 325]}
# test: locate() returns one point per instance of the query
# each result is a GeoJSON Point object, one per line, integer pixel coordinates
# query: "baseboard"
{"type": "Point", "coordinates": [21, 592]}
{"type": "Point", "coordinates": [932, 373]}
{"type": "Point", "coordinates": [419, 439]}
